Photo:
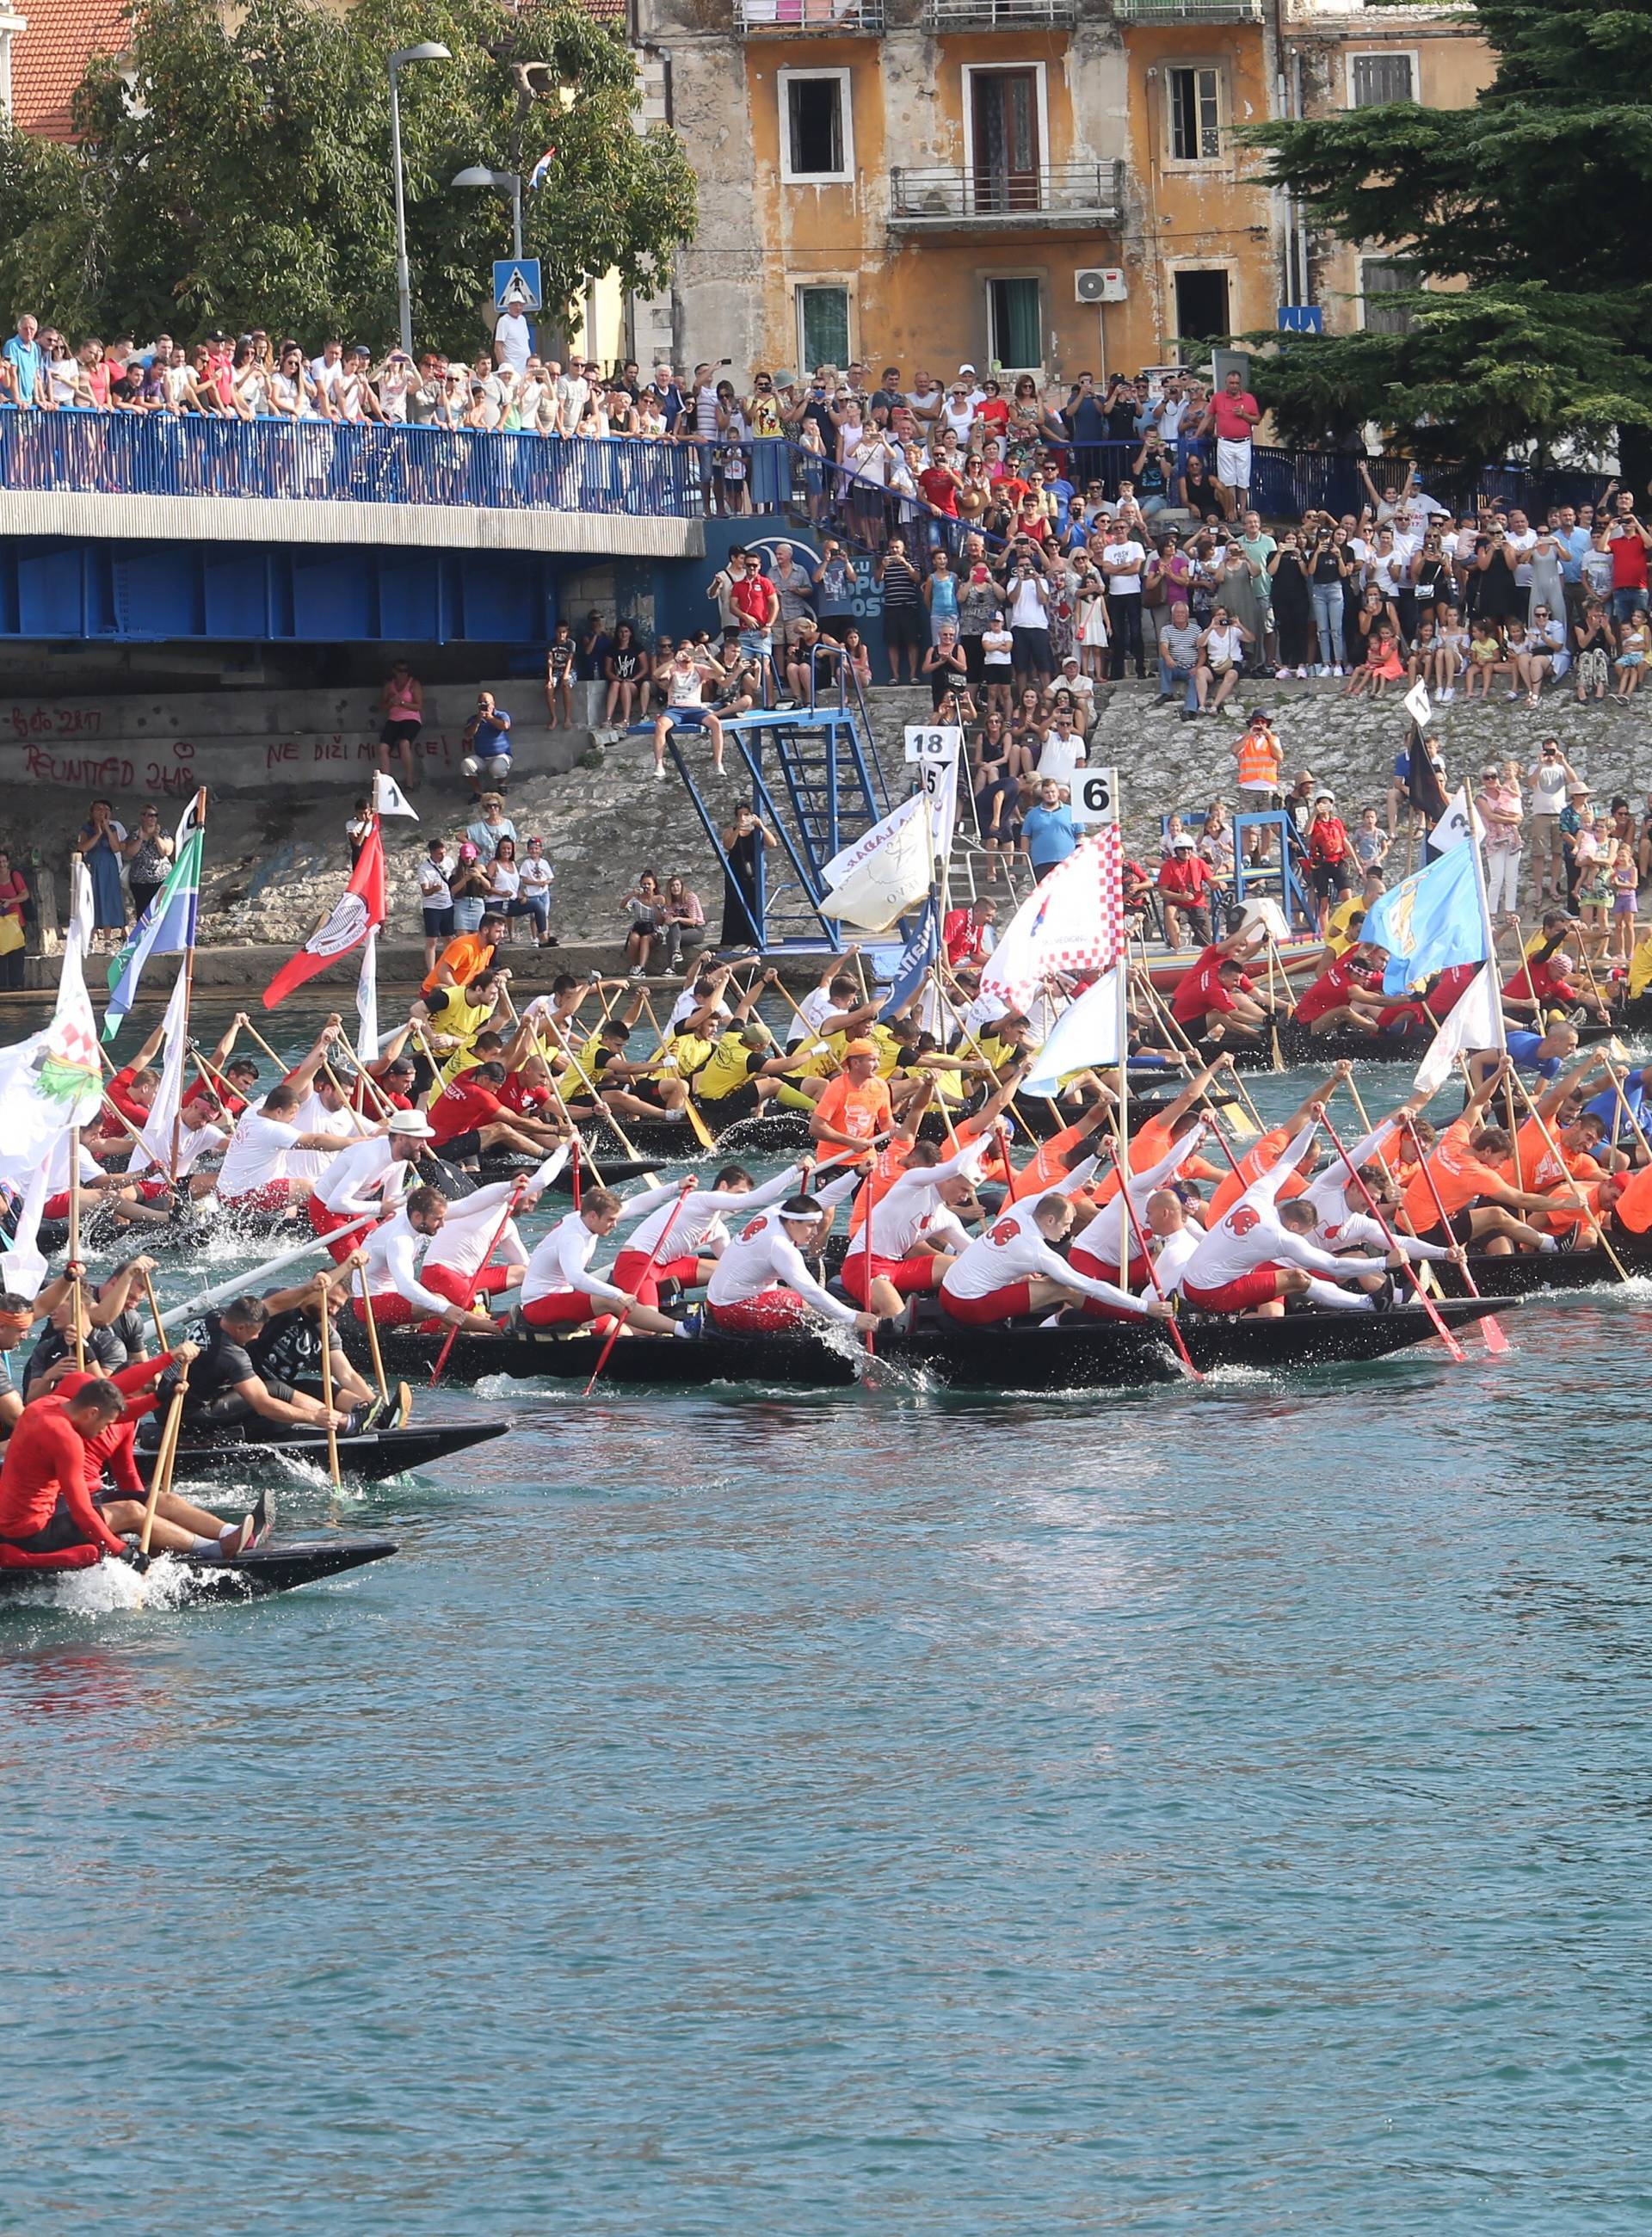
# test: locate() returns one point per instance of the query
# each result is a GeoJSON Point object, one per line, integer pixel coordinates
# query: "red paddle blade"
{"type": "Point", "coordinates": [1495, 1342]}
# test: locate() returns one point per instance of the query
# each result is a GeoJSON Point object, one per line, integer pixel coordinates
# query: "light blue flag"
{"type": "Point", "coordinates": [1429, 921]}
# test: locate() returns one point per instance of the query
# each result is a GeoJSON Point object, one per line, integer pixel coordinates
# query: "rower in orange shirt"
{"type": "Point", "coordinates": [1470, 1177]}
{"type": "Point", "coordinates": [855, 1108]}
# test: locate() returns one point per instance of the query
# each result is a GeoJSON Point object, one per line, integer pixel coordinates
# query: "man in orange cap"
{"type": "Point", "coordinates": [855, 1107]}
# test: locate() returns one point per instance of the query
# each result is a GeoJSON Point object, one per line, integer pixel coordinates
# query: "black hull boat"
{"type": "Point", "coordinates": [371, 1455]}
{"type": "Point", "coordinates": [1299, 1044]}
{"type": "Point", "coordinates": [1020, 1355]}
{"type": "Point", "coordinates": [1523, 1273]}
{"type": "Point", "coordinates": [253, 1576]}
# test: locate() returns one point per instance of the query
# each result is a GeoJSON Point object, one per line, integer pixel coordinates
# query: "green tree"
{"type": "Point", "coordinates": [236, 172]}
{"type": "Point", "coordinates": [1526, 212]}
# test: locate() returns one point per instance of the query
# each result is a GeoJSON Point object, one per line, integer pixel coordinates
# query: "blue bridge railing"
{"type": "Point", "coordinates": [125, 453]}
{"type": "Point", "coordinates": [109, 453]}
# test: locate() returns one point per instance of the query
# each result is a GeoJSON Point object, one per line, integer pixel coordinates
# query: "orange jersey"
{"type": "Point", "coordinates": [1458, 1177]}
{"type": "Point", "coordinates": [862, 1112]}
{"type": "Point", "coordinates": [1263, 1152]}
{"type": "Point", "coordinates": [1048, 1165]}
{"type": "Point", "coordinates": [1635, 1205]}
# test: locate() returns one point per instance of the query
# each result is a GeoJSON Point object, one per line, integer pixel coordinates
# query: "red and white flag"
{"type": "Point", "coordinates": [357, 911]}
{"type": "Point", "coordinates": [1071, 923]}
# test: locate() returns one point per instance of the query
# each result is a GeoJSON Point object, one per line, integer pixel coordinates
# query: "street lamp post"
{"type": "Point", "coordinates": [429, 52]}
{"type": "Point", "coordinates": [505, 182]}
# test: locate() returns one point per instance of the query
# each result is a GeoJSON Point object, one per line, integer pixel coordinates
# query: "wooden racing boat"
{"type": "Point", "coordinates": [370, 1455]}
{"type": "Point", "coordinates": [1523, 1273]}
{"type": "Point", "coordinates": [1019, 1356]}
{"type": "Point", "coordinates": [253, 1576]}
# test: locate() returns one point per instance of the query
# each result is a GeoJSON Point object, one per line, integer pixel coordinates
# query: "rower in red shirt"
{"type": "Point", "coordinates": [112, 1449]}
{"type": "Point", "coordinates": [1216, 988]}
{"type": "Point", "coordinates": [965, 935]}
{"type": "Point", "coordinates": [472, 1116]}
{"type": "Point", "coordinates": [1343, 995]}
{"type": "Point", "coordinates": [1542, 982]}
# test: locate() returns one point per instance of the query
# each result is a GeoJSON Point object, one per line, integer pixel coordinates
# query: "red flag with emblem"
{"type": "Point", "coordinates": [357, 911]}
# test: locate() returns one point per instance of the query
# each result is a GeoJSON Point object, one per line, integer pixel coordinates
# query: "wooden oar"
{"type": "Point", "coordinates": [505, 1218]}
{"type": "Point", "coordinates": [326, 1386]}
{"type": "Point", "coordinates": [165, 1455]}
{"type": "Point", "coordinates": [371, 1319]}
{"type": "Point", "coordinates": [1142, 1251]}
{"type": "Point", "coordinates": [702, 1131]}
{"type": "Point", "coordinates": [1273, 1003]}
{"type": "Point", "coordinates": [683, 1189]}
{"type": "Point", "coordinates": [1495, 1342]}
{"type": "Point", "coordinates": [1423, 1297]}
{"type": "Point", "coordinates": [154, 1308]}
{"type": "Point", "coordinates": [1554, 1151]}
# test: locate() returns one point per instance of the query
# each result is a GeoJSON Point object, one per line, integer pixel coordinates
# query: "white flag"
{"type": "Point", "coordinates": [1418, 704]}
{"type": "Point", "coordinates": [1461, 817]}
{"type": "Point", "coordinates": [940, 790]}
{"type": "Point", "coordinates": [1474, 1021]}
{"type": "Point", "coordinates": [366, 1001]}
{"type": "Point", "coordinates": [1086, 1034]}
{"type": "Point", "coordinates": [22, 1265]}
{"type": "Point", "coordinates": [389, 799]}
{"type": "Point", "coordinates": [157, 1148]}
{"type": "Point", "coordinates": [885, 872]}
{"type": "Point", "coordinates": [52, 1081]}
{"type": "Point", "coordinates": [1073, 922]}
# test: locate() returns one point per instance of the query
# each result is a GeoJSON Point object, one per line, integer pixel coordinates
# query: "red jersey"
{"type": "Point", "coordinates": [1443, 996]}
{"type": "Point", "coordinates": [1185, 878]}
{"type": "Point", "coordinates": [519, 1094]}
{"type": "Point", "coordinates": [1232, 423]}
{"type": "Point", "coordinates": [963, 939]}
{"type": "Point", "coordinates": [1532, 981]}
{"type": "Point", "coordinates": [940, 488]}
{"type": "Point", "coordinates": [459, 1109]}
{"type": "Point", "coordinates": [1330, 991]}
{"type": "Point", "coordinates": [119, 1092]}
{"type": "Point", "coordinates": [1199, 989]}
{"type": "Point", "coordinates": [46, 1461]}
{"type": "Point", "coordinates": [1328, 839]}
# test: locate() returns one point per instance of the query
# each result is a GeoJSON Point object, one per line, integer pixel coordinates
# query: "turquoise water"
{"type": "Point", "coordinates": [1226, 1810]}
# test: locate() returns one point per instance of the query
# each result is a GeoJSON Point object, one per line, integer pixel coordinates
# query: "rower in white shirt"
{"type": "Point", "coordinates": [372, 1175]}
{"type": "Point", "coordinates": [908, 1238]}
{"type": "Point", "coordinates": [393, 1251]}
{"type": "Point", "coordinates": [695, 1226]}
{"type": "Point", "coordinates": [1258, 1253]}
{"type": "Point", "coordinates": [327, 1111]}
{"type": "Point", "coordinates": [151, 1161]}
{"type": "Point", "coordinates": [559, 1290]}
{"type": "Point", "coordinates": [1013, 1269]}
{"type": "Point", "coordinates": [1099, 1248]}
{"type": "Point", "coordinates": [255, 1174]}
{"type": "Point", "coordinates": [761, 1283]}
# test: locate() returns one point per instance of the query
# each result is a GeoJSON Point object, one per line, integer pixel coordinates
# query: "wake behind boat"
{"type": "Point", "coordinates": [254, 1575]}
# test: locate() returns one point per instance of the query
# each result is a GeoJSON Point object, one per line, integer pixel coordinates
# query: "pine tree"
{"type": "Point", "coordinates": [1526, 214]}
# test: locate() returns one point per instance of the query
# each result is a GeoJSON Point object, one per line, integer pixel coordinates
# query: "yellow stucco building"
{"type": "Point", "coordinates": [1050, 185]}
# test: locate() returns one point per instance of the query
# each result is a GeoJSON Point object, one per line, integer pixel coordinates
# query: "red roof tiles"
{"type": "Point", "coordinates": [49, 59]}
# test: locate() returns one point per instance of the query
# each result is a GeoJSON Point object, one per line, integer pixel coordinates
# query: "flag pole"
{"type": "Point", "coordinates": [1121, 1114]}
{"type": "Point", "coordinates": [189, 976]}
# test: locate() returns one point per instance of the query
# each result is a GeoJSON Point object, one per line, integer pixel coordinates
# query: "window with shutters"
{"type": "Point", "coordinates": [1374, 80]}
{"type": "Point", "coordinates": [1195, 101]}
{"type": "Point", "coordinates": [1381, 278]}
{"type": "Point", "coordinates": [817, 132]}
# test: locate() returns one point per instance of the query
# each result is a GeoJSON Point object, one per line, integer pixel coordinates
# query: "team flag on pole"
{"type": "Point", "coordinates": [389, 799]}
{"type": "Point", "coordinates": [1086, 1034]}
{"type": "Point", "coordinates": [884, 872]}
{"type": "Point", "coordinates": [357, 911]}
{"type": "Point", "coordinates": [1429, 921]}
{"type": "Point", "coordinates": [366, 1001]}
{"type": "Point", "coordinates": [166, 927]}
{"type": "Point", "coordinates": [1073, 922]}
{"type": "Point", "coordinates": [1472, 1023]}
{"type": "Point", "coordinates": [916, 959]}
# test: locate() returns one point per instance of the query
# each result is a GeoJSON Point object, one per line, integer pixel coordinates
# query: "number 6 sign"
{"type": "Point", "coordinates": [1095, 796]}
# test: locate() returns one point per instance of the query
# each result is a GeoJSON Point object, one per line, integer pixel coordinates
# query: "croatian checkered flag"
{"type": "Point", "coordinates": [1073, 922]}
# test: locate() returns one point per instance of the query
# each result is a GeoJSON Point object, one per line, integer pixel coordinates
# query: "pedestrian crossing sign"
{"type": "Point", "coordinates": [516, 280]}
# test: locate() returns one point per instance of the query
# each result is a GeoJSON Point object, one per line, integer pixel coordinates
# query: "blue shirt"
{"type": "Point", "coordinates": [1523, 1047]}
{"type": "Point", "coordinates": [1606, 1107]}
{"type": "Point", "coordinates": [1575, 542]}
{"type": "Point", "coordinates": [1049, 834]}
{"type": "Point", "coordinates": [26, 359]}
{"type": "Point", "coordinates": [492, 736]}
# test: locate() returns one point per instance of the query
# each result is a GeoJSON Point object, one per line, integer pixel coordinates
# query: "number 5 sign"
{"type": "Point", "coordinates": [1095, 796]}
{"type": "Point", "coordinates": [929, 742]}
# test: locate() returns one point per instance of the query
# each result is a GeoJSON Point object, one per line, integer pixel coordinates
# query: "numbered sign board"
{"type": "Point", "coordinates": [929, 741]}
{"type": "Point", "coordinates": [1095, 796]}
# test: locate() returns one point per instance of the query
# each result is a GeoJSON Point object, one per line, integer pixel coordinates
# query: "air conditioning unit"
{"type": "Point", "coordinates": [1102, 283]}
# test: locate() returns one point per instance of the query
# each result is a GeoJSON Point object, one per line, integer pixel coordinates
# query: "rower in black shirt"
{"type": "Point", "coordinates": [226, 1388]}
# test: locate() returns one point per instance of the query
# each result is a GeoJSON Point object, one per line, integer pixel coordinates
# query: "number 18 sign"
{"type": "Point", "coordinates": [926, 742]}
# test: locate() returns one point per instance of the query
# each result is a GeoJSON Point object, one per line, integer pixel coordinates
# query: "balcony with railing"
{"type": "Point", "coordinates": [1153, 13]}
{"type": "Point", "coordinates": [1000, 15]}
{"type": "Point", "coordinates": [952, 196]}
{"type": "Point", "coordinates": [790, 17]}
